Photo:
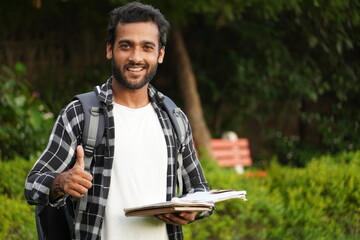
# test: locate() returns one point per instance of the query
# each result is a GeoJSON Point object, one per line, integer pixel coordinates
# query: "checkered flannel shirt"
{"type": "Point", "coordinates": [60, 155]}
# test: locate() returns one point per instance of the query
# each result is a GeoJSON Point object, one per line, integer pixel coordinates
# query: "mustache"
{"type": "Point", "coordinates": [133, 64]}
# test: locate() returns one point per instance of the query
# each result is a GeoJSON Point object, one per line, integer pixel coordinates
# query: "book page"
{"type": "Point", "coordinates": [198, 201]}
{"type": "Point", "coordinates": [212, 196]}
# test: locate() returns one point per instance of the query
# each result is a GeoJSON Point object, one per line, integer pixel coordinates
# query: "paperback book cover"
{"type": "Point", "coordinates": [193, 202]}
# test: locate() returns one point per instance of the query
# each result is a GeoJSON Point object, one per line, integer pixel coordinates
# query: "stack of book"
{"type": "Point", "coordinates": [193, 202]}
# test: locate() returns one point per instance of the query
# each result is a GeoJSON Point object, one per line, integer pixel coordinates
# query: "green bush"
{"type": "Point", "coordinates": [17, 220]}
{"type": "Point", "coordinates": [16, 216]}
{"type": "Point", "coordinates": [25, 120]}
{"type": "Point", "coordinates": [320, 201]}
{"type": "Point", "coordinates": [12, 177]}
{"type": "Point", "coordinates": [316, 198]}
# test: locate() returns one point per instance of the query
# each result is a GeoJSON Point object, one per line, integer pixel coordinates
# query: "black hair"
{"type": "Point", "coordinates": [137, 12]}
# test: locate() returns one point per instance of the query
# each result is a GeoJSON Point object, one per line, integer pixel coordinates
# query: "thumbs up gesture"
{"type": "Point", "coordinates": [74, 182]}
{"type": "Point", "coordinates": [80, 158]}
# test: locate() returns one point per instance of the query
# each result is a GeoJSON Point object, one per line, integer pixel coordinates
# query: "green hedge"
{"type": "Point", "coordinates": [17, 219]}
{"type": "Point", "coordinates": [320, 201]}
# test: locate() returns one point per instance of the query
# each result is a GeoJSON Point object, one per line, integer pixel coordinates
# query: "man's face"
{"type": "Point", "coordinates": [135, 54]}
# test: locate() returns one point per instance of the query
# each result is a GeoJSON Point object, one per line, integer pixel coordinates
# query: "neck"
{"type": "Point", "coordinates": [132, 98]}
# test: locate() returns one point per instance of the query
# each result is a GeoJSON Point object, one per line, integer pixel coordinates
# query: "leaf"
{"type": "Point", "coordinates": [35, 118]}
{"type": "Point", "coordinates": [20, 69]}
{"type": "Point", "coordinates": [20, 101]}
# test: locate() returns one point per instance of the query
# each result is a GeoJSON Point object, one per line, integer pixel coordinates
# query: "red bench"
{"type": "Point", "coordinates": [232, 153]}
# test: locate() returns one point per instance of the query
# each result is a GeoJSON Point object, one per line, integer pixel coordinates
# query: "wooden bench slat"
{"type": "Point", "coordinates": [231, 163]}
{"type": "Point", "coordinates": [231, 153]}
{"type": "Point", "coordinates": [218, 143]}
{"type": "Point", "coordinates": [236, 152]}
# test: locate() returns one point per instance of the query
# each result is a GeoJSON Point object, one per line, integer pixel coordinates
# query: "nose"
{"type": "Point", "coordinates": [136, 55]}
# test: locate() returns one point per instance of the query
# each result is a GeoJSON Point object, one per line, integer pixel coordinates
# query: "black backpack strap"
{"type": "Point", "coordinates": [178, 120]}
{"type": "Point", "coordinates": [94, 128]}
{"type": "Point", "coordinates": [94, 123]}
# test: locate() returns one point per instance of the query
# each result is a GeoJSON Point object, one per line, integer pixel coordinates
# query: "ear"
{"type": "Point", "coordinates": [109, 48]}
{"type": "Point", "coordinates": [161, 55]}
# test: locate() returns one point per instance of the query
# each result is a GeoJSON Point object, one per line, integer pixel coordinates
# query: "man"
{"type": "Point", "coordinates": [138, 152]}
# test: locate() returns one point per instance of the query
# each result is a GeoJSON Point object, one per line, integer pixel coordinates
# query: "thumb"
{"type": "Point", "coordinates": [80, 157]}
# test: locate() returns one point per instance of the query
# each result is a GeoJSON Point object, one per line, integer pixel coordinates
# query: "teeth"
{"type": "Point", "coordinates": [135, 69]}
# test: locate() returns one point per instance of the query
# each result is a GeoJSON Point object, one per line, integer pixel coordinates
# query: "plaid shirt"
{"type": "Point", "coordinates": [60, 155]}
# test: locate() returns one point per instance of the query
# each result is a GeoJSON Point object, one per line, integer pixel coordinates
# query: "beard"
{"type": "Point", "coordinates": [120, 78]}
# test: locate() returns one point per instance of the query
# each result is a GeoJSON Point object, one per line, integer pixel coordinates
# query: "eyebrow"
{"type": "Point", "coordinates": [142, 42]}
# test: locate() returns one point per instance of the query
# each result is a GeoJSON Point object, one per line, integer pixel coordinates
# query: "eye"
{"type": "Point", "coordinates": [149, 48]}
{"type": "Point", "coordinates": [124, 46]}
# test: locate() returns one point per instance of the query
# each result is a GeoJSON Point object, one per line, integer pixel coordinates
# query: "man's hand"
{"type": "Point", "coordinates": [74, 182]}
{"type": "Point", "coordinates": [179, 219]}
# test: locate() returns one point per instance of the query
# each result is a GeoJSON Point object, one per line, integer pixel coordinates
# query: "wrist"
{"type": "Point", "coordinates": [56, 190]}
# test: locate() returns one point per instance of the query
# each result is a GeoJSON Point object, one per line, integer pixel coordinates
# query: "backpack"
{"type": "Point", "coordinates": [58, 223]}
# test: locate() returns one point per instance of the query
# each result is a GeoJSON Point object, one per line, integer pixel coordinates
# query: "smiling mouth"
{"type": "Point", "coordinates": [135, 69]}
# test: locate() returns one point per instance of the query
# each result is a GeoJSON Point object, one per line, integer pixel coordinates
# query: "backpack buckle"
{"type": "Point", "coordinates": [88, 150]}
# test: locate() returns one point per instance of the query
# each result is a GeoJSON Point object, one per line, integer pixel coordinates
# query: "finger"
{"type": "Point", "coordinates": [78, 174]}
{"type": "Point", "coordinates": [166, 219]}
{"type": "Point", "coordinates": [175, 219]}
{"type": "Point", "coordinates": [189, 216]}
{"type": "Point", "coordinates": [80, 178]}
{"type": "Point", "coordinates": [80, 157]}
{"type": "Point", "coordinates": [76, 182]}
{"type": "Point", "coordinates": [77, 194]}
{"type": "Point", "coordinates": [83, 181]}
{"type": "Point", "coordinates": [76, 191]}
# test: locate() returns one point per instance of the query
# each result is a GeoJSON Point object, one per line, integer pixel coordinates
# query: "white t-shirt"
{"type": "Point", "coordinates": [138, 175]}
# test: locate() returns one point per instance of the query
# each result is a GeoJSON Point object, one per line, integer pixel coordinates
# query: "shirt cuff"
{"type": "Point", "coordinates": [58, 202]}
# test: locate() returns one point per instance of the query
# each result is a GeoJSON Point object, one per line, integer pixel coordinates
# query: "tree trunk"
{"type": "Point", "coordinates": [189, 93]}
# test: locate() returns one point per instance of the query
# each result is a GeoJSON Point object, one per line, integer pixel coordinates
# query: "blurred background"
{"type": "Point", "coordinates": [283, 74]}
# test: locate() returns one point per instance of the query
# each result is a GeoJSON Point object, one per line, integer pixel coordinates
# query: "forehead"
{"type": "Point", "coordinates": [137, 32]}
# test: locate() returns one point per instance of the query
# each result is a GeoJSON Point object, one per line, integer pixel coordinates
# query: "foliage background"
{"type": "Point", "coordinates": [24, 117]}
{"type": "Point", "coordinates": [320, 201]}
{"type": "Point", "coordinates": [284, 74]}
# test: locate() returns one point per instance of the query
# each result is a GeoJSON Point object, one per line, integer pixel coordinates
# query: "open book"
{"type": "Point", "coordinates": [193, 202]}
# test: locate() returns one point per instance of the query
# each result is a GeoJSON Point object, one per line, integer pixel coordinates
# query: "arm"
{"type": "Point", "coordinates": [57, 158]}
